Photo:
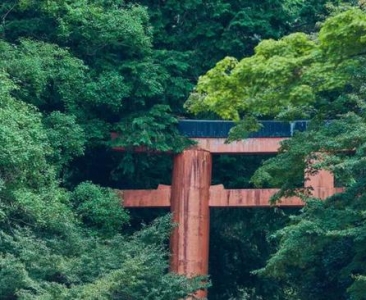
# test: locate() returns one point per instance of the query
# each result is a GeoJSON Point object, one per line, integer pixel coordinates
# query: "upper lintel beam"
{"type": "Point", "coordinates": [247, 146]}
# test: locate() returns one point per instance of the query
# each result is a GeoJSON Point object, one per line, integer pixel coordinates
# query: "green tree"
{"type": "Point", "coordinates": [321, 253]}
{"type": "Point", "coordinates": [90, 59]}
{"type": "Point", "coordinates": [63, 244]}
{"type": "Point", "coordinates": [289, 78]}
{"type": "Point", "coordinates": [190, 37]}
{"type": "Point", "coordinates": [90, 67]}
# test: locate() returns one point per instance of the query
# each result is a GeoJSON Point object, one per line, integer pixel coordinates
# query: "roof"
{"type": "Point", "coordinates": [220, 129]}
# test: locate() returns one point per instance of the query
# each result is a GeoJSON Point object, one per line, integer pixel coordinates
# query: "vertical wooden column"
{"type": "Point", "coordinates": [322, 184]}
{"type": "Point", "coordinates": [321, 179]}
{"type": "Point", "coordinates": [190, 207]}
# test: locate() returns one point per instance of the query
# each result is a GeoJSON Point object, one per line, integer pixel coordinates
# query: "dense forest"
{"type": "Point", "coordinates": [73, 71]}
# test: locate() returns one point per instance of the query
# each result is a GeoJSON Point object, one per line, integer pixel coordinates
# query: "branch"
{"type": "Point", "coordinates": [5, 15]}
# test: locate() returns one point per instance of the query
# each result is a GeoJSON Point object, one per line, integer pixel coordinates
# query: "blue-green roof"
{"type": "Point", "coordinates": [220, 129]}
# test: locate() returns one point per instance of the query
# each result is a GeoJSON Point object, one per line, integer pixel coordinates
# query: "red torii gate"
{"type": "Point", "coordinates": [191, 195]}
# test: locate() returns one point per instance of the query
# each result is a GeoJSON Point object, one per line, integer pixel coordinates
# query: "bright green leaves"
{"type": "Point", "coordinates": [321, 254]}
{"type": "Point", "coordinates": [215, 91]}
{"type": "Point", "coordinates": [262, 85]}
{"type": "Point", "coordinates": [287, 78]}
{"type": "Point", "coordinates": [344, 35]}
{"type": "Point", "coordinates": [293, 45]}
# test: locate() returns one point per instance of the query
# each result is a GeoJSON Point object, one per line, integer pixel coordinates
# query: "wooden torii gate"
{"type": "Point", "coordinates": [191, 195]}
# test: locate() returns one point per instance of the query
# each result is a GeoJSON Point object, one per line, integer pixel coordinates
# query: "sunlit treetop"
{"type": "Point", "coordinates": [287, 78]}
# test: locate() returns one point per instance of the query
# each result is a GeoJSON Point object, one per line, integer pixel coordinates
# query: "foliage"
{"type": "Point", "coordinates": [66, 137]}
{"type": "Point", "coordinates": [156, 130]}
{"type": "Point", "coordinates": [325, 241]}
{"type": "Point", "coordinates": [72, 72]}
{"type": "Point", "coordinates": [226, 27]}
{"type": "Point", "coordinates": [288, 78]}
{"type": "Point", "coordinates": [93, 60]}
{"type": "Point", "coordinates": [99, 208]}
{"type": "Point", "coordinates": [57, 244]}
{"type": "Point", "coordinates": [239, 244]}
{"type": "Point", "coordinates": [78, 266]}
{"type": "Point", "coordinates": [240, 238]}
{"type": "Point", "coordinates": [321, 253]}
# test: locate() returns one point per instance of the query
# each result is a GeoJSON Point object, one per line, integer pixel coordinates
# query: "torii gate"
{"type": "Point", "coordinates": [191, 195]}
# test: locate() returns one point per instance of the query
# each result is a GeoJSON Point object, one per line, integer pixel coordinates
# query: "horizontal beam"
{"type": "Point", "coordinates": [147, 198]}
{"type": "Point", "coordinates": [219, 197]}
{"type": "Point", "coordinates": [261, 145]}
{"type": "Point", "coordinates": [247, 146]}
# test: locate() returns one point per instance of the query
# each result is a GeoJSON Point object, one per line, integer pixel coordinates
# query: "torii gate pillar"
{"type": "Point", "coordinates": [190, 208]}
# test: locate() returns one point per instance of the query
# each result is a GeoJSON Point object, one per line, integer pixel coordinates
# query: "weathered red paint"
{"type": "Point", "coordinates": [249, 146]}
{"type": "Point", "coordinates": [322, 178]}
{"type": "Point", "coordinates": [219, 145]}
{"type": "Point", "coordinates": [189, 205]}
{"type": "Point", "coordinates": [220, 197]}
{"type": "Point", "coordinates": [147, 198]}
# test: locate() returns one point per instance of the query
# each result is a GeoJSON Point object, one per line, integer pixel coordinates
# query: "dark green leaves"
{"type": "Point", "coordinates": [151, 130]}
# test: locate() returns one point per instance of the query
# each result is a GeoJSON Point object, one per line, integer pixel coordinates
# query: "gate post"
{"type": "Point", "coordinates": [190, 208]}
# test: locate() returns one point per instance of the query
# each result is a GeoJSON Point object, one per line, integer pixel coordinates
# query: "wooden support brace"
{"type": "Point", "coordinates": [147, 198]}
{"type": "Point", "coordinates": [221, 197]}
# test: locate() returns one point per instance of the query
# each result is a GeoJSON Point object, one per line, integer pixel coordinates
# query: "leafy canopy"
{"type": "Point", "coordinates": [59, 97]}
{"type": "Point", "coordinates": [63, 244]}
{"type": "Point", "coordinates": [286, 78]}
{"type": "Point", "coordinates": [321, 254]}
{"type": "Point", "coordinates": [320, 77]}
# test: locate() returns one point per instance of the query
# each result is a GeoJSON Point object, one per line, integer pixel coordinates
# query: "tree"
{"type": "Point", "coordinates": [287, 78]}
{"type": "Point", "coordinates": [77, 70]}
{"type": "Point", "coordinates": [55, 105]}
{"type": "Point", "coordinates": [321, 253]}
{"type": "Point", "coordinates": [93, 60]}
{"type": "Point", "coordinates": [63, 244]}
